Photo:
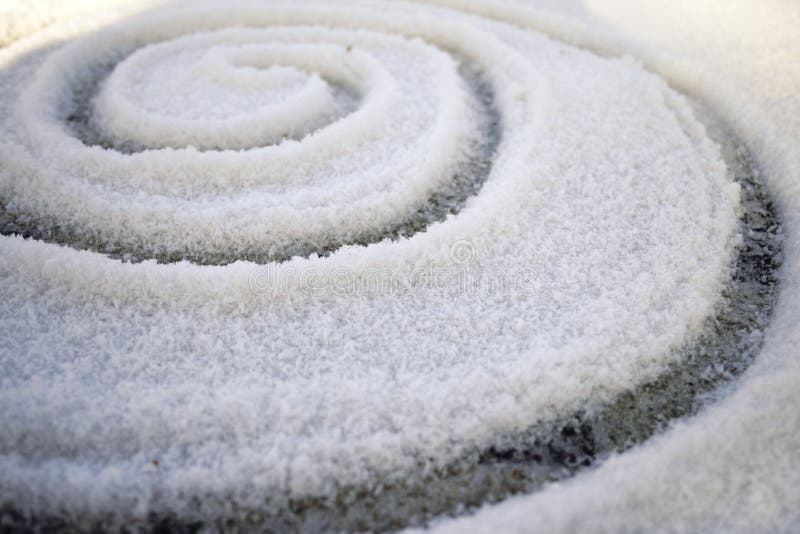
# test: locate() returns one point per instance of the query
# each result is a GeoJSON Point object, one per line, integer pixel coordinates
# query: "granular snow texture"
{"type": "Point", "coordinates": [598, 244]}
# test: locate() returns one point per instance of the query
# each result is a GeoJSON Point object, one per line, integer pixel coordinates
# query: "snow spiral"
{"type": "Point", "coordinates": [212, 138]}
{"type": "Point", "coordinates": [593, 234]}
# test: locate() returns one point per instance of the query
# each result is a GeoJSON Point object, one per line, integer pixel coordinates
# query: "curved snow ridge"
{"type": "Point", "coordinates": [597, 245]}
{"type": "Point", "coordinates": [734, 467]}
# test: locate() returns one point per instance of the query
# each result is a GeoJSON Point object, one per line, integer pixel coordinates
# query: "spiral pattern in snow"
{"type": "Point", "coordinates": [596, 245]}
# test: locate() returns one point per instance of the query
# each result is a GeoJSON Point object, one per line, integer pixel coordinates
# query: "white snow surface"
{"type": "Point", "coordinates": [736, 466]}
{"type": "Point", "coordinates": [607, 208]}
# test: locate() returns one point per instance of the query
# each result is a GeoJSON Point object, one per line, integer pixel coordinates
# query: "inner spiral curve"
{"type": "Point", "coordinates": [269, 202]}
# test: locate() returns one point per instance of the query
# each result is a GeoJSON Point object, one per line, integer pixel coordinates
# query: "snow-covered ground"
{"type": "Point", "coordinates": [599, 242]}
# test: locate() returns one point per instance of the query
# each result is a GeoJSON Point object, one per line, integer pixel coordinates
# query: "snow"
{"type": "Point", "coordinates": [733, 468]}
{"type": "Point", "coordinates": [606, 206]}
